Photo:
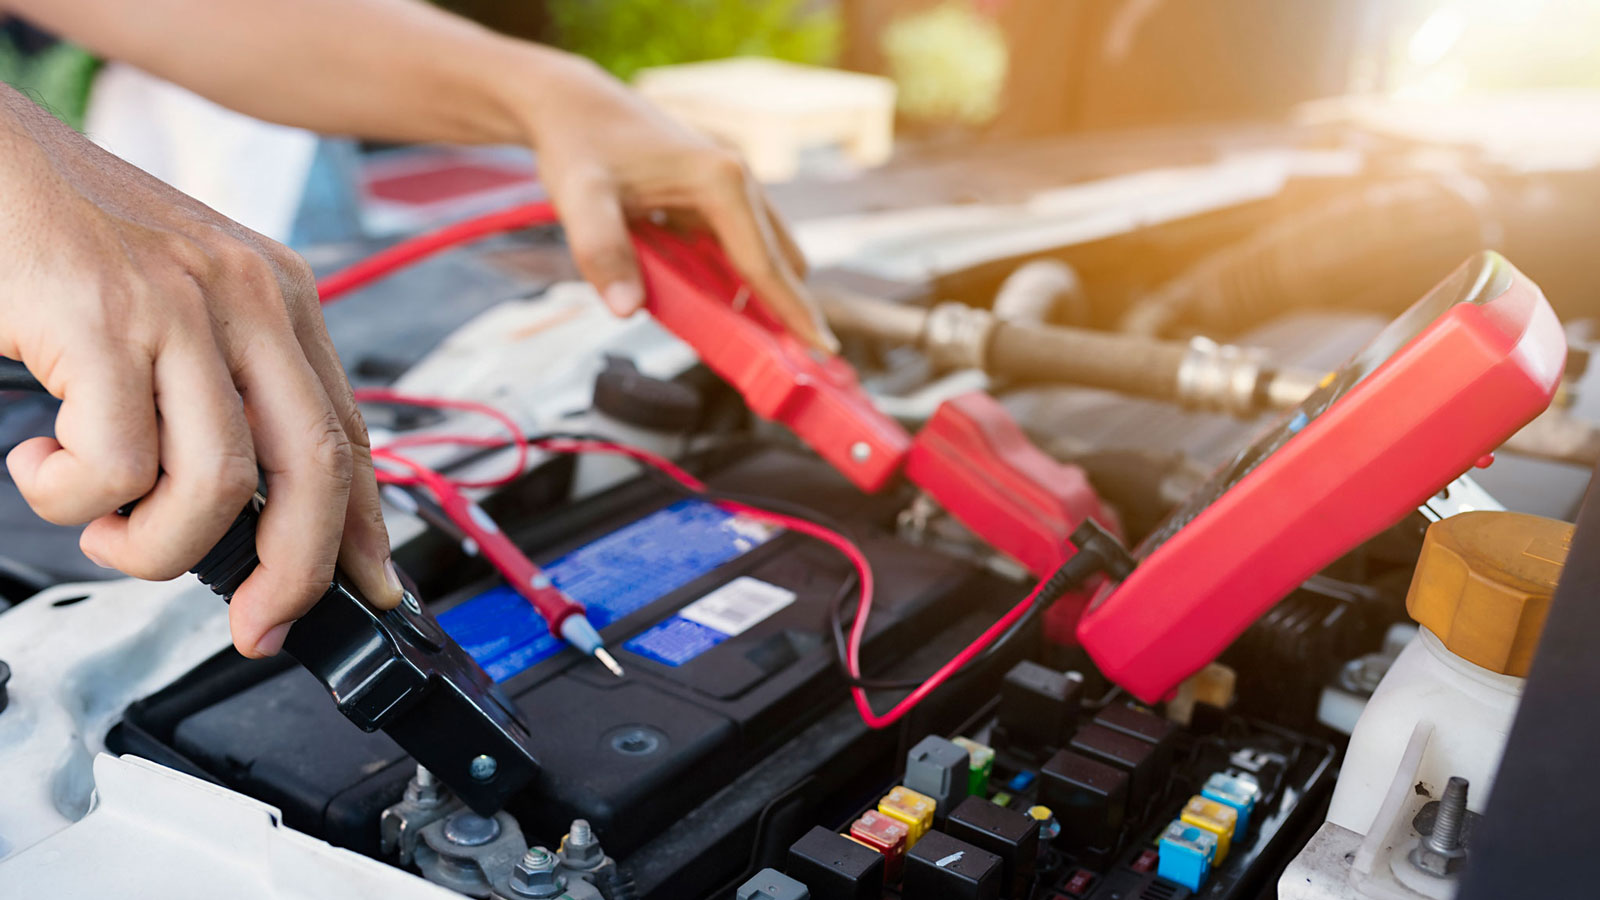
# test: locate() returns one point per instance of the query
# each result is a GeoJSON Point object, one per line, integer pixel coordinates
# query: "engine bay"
{"type": "Point", "coordinates": [1174, 730]}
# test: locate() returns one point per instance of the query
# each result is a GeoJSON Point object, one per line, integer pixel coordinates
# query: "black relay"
{"type": "Point", "coordinates": [834, 867]}
{"type": "Point", "coordinates": [1011, 835]}
{"type": "Point", "coordinates": [1037, 706]}
{"type": "Point", "coordinates": [941, 867]}
{"type": "Point", "coordinates": [1128, 753]}
{"type": "Point", "coordinates": [1146, 726]}
{"type": "Point", "coordinates": [1089, 798]}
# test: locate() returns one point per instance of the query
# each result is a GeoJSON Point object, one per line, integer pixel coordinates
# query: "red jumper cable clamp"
{"type": "Point", "coordinates": [971, 457]}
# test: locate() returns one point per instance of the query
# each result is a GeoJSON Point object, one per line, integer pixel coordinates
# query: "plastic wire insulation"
{"type": "Point", "coordinates": [516, 439]}
{"type": "Point", "coordinates": [528, 215]}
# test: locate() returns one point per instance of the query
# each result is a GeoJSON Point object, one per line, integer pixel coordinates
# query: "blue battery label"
{"type": "Point", "coordinates": [614, 576]}
{"type": "Point", "coordinates": [728, 611]}
{"type": "Point", "coordinates": [675, 641]}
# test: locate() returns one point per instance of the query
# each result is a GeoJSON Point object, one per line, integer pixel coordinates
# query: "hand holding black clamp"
{"type": "Point", "coordinates": [394, 670]}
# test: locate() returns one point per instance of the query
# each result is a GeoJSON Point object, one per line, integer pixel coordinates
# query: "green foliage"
{"type": "Point", "coordinates": [625, 36]}
{"type": "Point", "coordinates": [57, 79]}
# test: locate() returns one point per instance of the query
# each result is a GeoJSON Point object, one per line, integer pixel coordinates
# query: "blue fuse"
{"type": "Point", "coordinates": [1185, 855]}
{"type": "Point", "coordinates": [1235, 791]}
{"type": "Point", "coordinates": [1021, 781]}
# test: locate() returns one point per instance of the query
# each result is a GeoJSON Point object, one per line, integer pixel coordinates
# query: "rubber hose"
{"type": "Point", "coordinates": [1134, 365]}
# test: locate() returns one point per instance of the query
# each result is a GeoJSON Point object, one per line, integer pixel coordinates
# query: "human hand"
{"type": "Point", "coordinates": [187, 351]}
{"type": "Point", "coordinates": [606, 156]}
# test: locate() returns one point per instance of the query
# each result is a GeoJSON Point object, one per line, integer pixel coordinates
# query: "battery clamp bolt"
{"type": "Point", "coordinates": [580, 849]}
{"type": "Point", "coordinates": [425, 790]}
{"type": "Point", "coordinates": [535, 875]}
{"type": "Point", "coordinates": [1443, 852]}
{"type": "Point", "coordinates": [468, 829]}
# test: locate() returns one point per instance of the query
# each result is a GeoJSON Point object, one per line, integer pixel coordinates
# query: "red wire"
{"type": "Point", "coordinates": [378, 265]}
{"type": "Point", "coordinates": [839, 542]}
{"type": "Point", "coordinates": [532, 215]}
{"type": "Point", "coordinates": [429, 478]}
{"type": "Point", "coordinates": [387, 395]}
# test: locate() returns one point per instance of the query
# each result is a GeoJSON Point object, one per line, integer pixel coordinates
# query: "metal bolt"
{"type": "Point", "coordinates": [579, 849]}
{"type": "Point", "coordinates": [861, 451]}
{"type": "Point", "coordinates": [535, 875]}
{"type": "Point", "coordinates": [1441, 853]}
{"type": "Point", "coordinates": [483, 767]}
{"type": "Point", "coordinates": [580, 835]}
{"type": "Point", "coordinates": [468, 829]}
{"type": "Point", "coordinates": [1361, 675]}
{"type": "Point", "coordinates": [1452, 815]}
{"type": "Point", "coordinates": [411, 602]}
{"type": "Point", "coordinates": [425, 790]}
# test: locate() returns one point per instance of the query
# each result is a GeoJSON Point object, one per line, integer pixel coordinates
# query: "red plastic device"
{"type": "Point", "coordinates": [971, 457]}
{"type": "Point", "coordinates": [1439, 388]}
{"type": "Point", "coordinates": [696, 295]}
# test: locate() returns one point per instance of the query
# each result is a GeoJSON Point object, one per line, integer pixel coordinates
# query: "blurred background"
{"type": "Point", "coordinates": [1475, 119]}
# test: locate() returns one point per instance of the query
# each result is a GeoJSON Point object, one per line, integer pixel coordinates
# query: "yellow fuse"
{"type": "Point", "coordinates": [912, 808]}
{"type": "Point", "coordinates": [1217, 818]}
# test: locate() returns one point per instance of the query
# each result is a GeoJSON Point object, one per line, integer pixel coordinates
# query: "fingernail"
{"type": "Point", "coordinates": [272, 641]}
{"type": "Point", "coordinates": [624, 297]}
{"type": "Point", "coordinates": [391, 579]}
{"type": "Point", "coordinates": [95, 559]}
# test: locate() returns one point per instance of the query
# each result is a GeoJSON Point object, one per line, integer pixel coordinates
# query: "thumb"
{"type": "Point", "coordinates": [597, 232]}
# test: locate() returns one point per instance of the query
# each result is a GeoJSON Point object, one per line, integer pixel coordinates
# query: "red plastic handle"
{"type": "Point", "coordinates": [695, 294]}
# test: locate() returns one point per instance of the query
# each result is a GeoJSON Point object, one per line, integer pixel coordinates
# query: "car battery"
{"type": "Point", "coordinates": [721, 623]}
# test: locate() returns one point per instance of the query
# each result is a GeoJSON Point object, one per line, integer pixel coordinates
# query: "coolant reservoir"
{"type": "Point", "coordinates": [1481, 592]}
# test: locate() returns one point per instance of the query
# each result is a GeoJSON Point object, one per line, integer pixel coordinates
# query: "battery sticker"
{"type": "Point", "coordinates": [728, 611]}
{"type": "Point", "coordinates": [612, 577]}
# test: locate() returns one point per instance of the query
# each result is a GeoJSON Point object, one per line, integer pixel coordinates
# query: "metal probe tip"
{"type": "Point", "coordinates": [607, 660]}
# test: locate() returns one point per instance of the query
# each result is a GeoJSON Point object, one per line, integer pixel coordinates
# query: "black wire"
{"type": "Point", "coordinates": [759, 827]}
{"type": "Point", "coordinates": [1082, 566]}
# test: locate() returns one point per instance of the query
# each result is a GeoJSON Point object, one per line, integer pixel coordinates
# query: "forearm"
{"type": "Point", "coordinates": [30, 142]}
{"type": "Point", "coordinates": [384, 69]}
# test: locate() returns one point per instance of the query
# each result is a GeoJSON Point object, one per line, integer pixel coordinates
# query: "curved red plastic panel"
{"type": "Point", "coordinates": [974, 460]}
{"type": "Point", "coordinates": [1437, 405]}
{"type": "Point", "coordinates": [695, 294]}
